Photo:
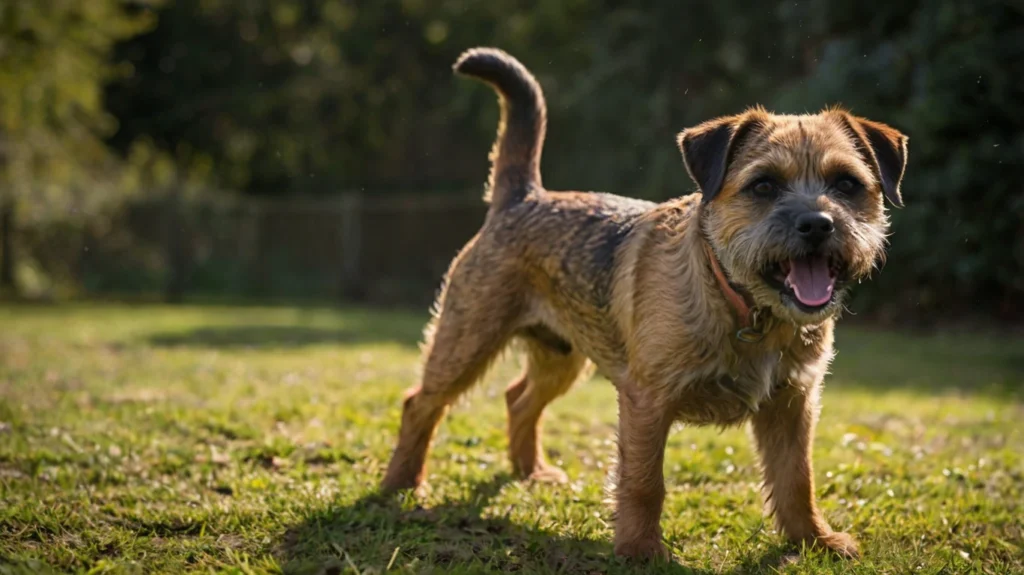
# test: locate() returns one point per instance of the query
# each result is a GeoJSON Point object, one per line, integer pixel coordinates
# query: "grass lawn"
{"type": "Point", "coordinates": [250, 440]}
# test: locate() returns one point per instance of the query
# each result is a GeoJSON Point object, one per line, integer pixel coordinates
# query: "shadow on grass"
{"type": "Point", "coordinates": [290, 336]}
{"type": "Point", "coordinates": [453, 537]}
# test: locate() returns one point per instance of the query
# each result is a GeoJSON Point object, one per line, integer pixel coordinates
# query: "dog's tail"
{"type": "Point", "coordinates": [515, 167]}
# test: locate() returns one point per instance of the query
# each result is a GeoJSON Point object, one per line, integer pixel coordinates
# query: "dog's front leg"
{"type": "Point", "coordinates": [784, 431]}
{"type": "Point", "coordinates": [644, 424]}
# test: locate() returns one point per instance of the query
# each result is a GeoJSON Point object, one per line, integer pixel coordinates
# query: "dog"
{"type": "Point", "coordinates": [716, 308]}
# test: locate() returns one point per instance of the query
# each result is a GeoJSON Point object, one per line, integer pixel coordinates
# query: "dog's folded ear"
{"type": "Point", "coordinates": [708, 148]}
{"type": "Point", "coordinates": [886, 148]}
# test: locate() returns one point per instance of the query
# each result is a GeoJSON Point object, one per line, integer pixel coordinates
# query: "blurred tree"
{"type": "Point", "coordinates": [54, 63]}
{"type": "Point", "coordinates": [303, 96]}
{"type": "Point", "coordinates": [296, 96]}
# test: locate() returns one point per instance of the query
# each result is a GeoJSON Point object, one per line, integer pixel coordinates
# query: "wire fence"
{"type": "Point", "coordinates": [389, 248]}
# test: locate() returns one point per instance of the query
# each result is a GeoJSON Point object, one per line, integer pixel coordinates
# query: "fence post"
{"type": "Point", "coordinates": [175, 250]}
{"type": "Point", "coordinates": [7, 221]}
{"type": "Point", "coordinates": [351, 245]}
{"type": "Point", "coordinates": [248, 240]}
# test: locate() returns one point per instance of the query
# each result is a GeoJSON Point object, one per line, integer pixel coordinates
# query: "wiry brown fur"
{"type": "Point", "coordinates": [629, 286]}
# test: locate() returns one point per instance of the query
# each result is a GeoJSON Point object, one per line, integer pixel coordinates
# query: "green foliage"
{"type": "Point", "coordinates": [296, 97]}
{"type": "Point", "coordinates": [282, 96]}
{"type": "Point", "coordinates": [54, 64]}
{"type": "Point", "coordinates": [250, 440]}
{"type": "Point", "coordinates": [289, 96]}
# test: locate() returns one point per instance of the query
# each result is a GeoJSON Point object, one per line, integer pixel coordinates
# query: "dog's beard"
{"type": "Point", "coordinates": [810, 280]}
{"type": "Point", "coordinates": [798, 286]}
{"type": "Point", "coordinates": [799, 283]}
{"type": "Point", "coordinates": [787, 302]}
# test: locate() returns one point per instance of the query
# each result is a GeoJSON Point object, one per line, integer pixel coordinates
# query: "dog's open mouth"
{"type": "Point", "coordinates": [810, 281]}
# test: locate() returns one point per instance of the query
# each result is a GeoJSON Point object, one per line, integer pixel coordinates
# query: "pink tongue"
{"type": "Point", "coordinates": [811, 280]}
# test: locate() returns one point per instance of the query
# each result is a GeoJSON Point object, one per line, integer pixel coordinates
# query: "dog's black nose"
{"type": "Point", "coordinates": [814, 227]}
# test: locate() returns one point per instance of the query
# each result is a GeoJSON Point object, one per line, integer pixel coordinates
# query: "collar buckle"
{"type": "Point", "coordinates": [757, 329]}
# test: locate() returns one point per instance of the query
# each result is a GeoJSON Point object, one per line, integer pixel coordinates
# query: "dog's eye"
{"type": "Point", "coordinates": [764, 188]}
{"type": "Point", "coordinates": [847, 185]}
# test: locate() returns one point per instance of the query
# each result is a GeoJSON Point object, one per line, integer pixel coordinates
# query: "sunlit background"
{"type": "Point", "coordinates": [323, 149]}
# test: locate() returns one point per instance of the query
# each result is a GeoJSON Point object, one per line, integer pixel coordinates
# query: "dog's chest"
{"type": "Point", "coordinates": [728, 392]}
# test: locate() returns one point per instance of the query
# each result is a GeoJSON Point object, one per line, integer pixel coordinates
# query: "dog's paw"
{"type": "Point", "coordinates": [396, 482]}
{"type": "Point", "coordinates": [842, 544]}
{"type": "Point", "coordinates": [548, 474]}
{"type": "Point", "coordinates": [643, 550]}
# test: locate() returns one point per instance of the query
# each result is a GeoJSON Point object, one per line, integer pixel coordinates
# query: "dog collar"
{"type": "Point", "coordinates": [751, 330]}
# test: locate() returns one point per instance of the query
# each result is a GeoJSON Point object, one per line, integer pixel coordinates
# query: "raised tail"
{"type": "Point", "coordinates": [515, 158]}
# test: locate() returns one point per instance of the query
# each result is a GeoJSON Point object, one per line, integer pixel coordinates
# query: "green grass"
{"type": "Point", "coordinates": [249, 440]}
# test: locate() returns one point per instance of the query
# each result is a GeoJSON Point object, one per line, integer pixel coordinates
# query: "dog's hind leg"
{"type": "Point", "coordinates": [477, 313]}
{"type": "Point", "coordinates": [550, 371]}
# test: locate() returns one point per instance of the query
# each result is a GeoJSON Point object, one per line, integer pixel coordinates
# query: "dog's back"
{"type": "Point", "coordinates": [564, 244]}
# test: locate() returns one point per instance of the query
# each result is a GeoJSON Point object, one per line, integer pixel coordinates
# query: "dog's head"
{"type": "Point", "coordinates": [793, 205]}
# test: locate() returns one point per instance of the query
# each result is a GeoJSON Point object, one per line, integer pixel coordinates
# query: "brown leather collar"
{"type": "Point", "coordinates": [738, 303]}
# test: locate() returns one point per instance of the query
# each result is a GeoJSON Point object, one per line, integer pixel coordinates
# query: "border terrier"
{"type": "Point", "coordinates": [716, 308]}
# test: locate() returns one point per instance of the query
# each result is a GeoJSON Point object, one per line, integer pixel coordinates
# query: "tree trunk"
{"type": "Point", "coordinates": [7, 281]}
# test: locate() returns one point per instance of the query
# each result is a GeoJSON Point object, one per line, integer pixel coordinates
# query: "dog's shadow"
{"type": "Point", "coordinates": [378, 532]}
